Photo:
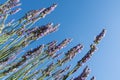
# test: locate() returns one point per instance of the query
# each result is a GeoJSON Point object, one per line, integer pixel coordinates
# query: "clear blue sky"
{"type": "Point", "coordinates": [82, 20]}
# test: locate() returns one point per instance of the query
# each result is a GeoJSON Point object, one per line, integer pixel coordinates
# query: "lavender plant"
{"type": "Point", "coordinates": [16, 64]}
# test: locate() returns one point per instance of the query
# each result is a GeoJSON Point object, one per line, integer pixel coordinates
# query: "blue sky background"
{"type": "Point", "coordinates": [82, 20]}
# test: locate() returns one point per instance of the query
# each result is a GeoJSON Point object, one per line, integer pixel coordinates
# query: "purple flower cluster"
{"type": "Point", "coordinates": [100, 36]}
{"type": "Point", "coordinates": [53, 48]}
{"type": "Point", "coordinates": [88, 55]}
{"type": "Point", "coordinates": [72, 52]}
{"type": "Point", "coordinates": [84, 74]}
{"type": "Point", "coordinates": [6, 8]}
